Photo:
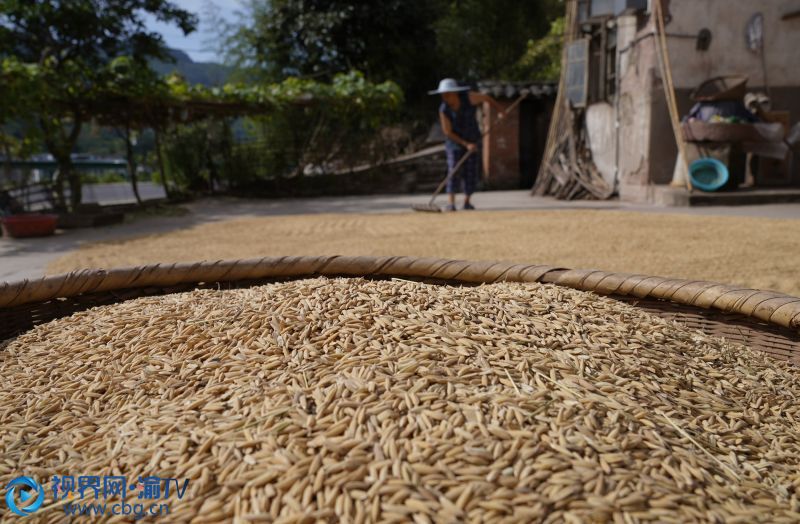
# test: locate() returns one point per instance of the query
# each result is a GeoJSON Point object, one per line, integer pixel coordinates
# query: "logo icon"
{"type": "Point", "coordinates": [31, 496]}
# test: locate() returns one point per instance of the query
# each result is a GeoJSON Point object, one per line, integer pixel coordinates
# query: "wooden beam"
{"type": "Point", "coordinates": [791, 15]}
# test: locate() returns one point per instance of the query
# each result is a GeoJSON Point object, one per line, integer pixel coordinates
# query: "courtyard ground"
{"type": "Point", "coordinates": [756, 246]}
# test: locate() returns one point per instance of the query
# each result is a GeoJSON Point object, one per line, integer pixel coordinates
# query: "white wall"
{"type": "Point", "coordinates": [728, 54]}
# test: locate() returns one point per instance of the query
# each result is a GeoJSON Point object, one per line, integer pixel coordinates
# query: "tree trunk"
{"type": "Point", "coordinates": [160, 158]}
{"type": "Point", "coordinates": [64, 167]}
{"type": "Point", "coordinates": [73, 177]}
{"type": "Point", "coordinates": [227, 172]}
{"type": "Point", "coordinates": [212, 170]}
{"type": "Point", "coordinates": [60, 145]}
{"type": "Point", "coordinates": [75, 187]}
{"type": "Point", "coordinates": [131, 164]}
{"type": "Point", "coordinates": [7, 164]}
{"type": "Point", "coordinates": [59, 199]}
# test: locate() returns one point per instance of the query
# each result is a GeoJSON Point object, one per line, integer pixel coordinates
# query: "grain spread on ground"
{"type": "Point", "coordinates": [757, 253]}
{"type": "Point", "coordinates": [395, 401]}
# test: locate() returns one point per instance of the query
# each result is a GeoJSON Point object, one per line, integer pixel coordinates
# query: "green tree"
{"type": "Point", "coordinates": [542, 59]}
{"type": "Point", "coordinates": [477, 39]}
{"type": "Point", "coordinates": [73, 42]}
{"type": "Point", "coordinates": [384, 39]}
{"type": "Point", "coordinates": [294, 125]}
{"type": "Point", "coordinates": [17, 100]}
{"type": "Point", "coordinates": [412, 42]}
{"type": "Point", "coordinates": [336, 130]}
{"type": "Point", "coordinates": [130, 80]}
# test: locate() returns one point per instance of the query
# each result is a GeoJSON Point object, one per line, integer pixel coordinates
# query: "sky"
{"type": "Point", "coordinates": [200, 45]}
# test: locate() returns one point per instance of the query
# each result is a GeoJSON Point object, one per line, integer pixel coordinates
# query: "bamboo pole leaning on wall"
{"type": "Point", "coordinates": [556, 128]}
{"type": "Point", "coordinates": [662, 51]}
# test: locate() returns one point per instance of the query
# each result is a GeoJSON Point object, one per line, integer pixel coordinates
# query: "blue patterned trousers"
{"type": "Point", "coordinates": [467, 177]}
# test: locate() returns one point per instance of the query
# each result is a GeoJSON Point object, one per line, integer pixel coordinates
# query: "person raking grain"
{"type": "Point", "coordinates": [457, 116]}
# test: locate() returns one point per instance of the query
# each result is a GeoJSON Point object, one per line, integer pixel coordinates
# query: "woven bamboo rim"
{"type": "Point", "coordinates": [769, 307]}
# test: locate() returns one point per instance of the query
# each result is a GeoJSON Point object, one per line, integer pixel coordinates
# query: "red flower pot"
{"type": "Point", "coordinates": [33, 225]}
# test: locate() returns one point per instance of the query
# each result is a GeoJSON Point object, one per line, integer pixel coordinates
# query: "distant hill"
{"type": "Point", "coordinates": [206, 73]}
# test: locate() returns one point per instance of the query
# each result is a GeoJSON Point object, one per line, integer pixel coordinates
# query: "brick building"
{"type": "Point", "coordinates": [513, 151]}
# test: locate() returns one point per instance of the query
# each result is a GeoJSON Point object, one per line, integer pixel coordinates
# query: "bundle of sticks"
{"type": "Point", "coordinates": [568, 171]}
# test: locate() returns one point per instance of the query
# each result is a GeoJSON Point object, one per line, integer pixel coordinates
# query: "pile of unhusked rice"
{"type": "Point", "coordinates": [363, 401]}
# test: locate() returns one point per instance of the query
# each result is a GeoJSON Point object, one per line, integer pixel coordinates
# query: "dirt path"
{"type": "Point", "coordinates": [754, 252]}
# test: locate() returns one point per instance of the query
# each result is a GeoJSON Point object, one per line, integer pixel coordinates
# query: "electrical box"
{"type": "Point", "coordinates": [598, 8]}
{"type": "Point", "coordinates": [602, 8]}
{"type": "Point", "coordinates": [577, 81]}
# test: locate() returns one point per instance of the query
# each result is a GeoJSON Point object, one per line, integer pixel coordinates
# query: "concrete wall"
{"type": "Point", "coordinates": [638, 94]}
{"type": "Point", "coordinates": [647, 144]}
{"type": "Point", "coordinates": [728, 54]}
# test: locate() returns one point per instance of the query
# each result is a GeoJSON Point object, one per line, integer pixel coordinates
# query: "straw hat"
{"type": "Point", "coordinates": [448, 85]}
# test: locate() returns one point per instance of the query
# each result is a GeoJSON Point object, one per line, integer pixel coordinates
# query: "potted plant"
{"type": "Point", "coordinates": [18, 224]}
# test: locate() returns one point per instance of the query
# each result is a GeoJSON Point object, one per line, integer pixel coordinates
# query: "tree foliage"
{"type": "Point", "coordinates": [73, 42]}
{"type": "Point", "coordinates": [296, 123]}
{"type": "Point", "coordinates": [90, 32]}
{"type": "Point", "coordinates": [338, 131]}
{"type": "Point", "coordinates": [294, 126]}
{"type": "Point", "coordinates": [542, 59]}
{"type": "Point", "coordinates": [414, 42]}
{"type": "Point", "coordinates": [385, 39]}
{"type": "Point", "coordinates": [479, 40]}
{"type": "Point", "coordinates": [64, 63]}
